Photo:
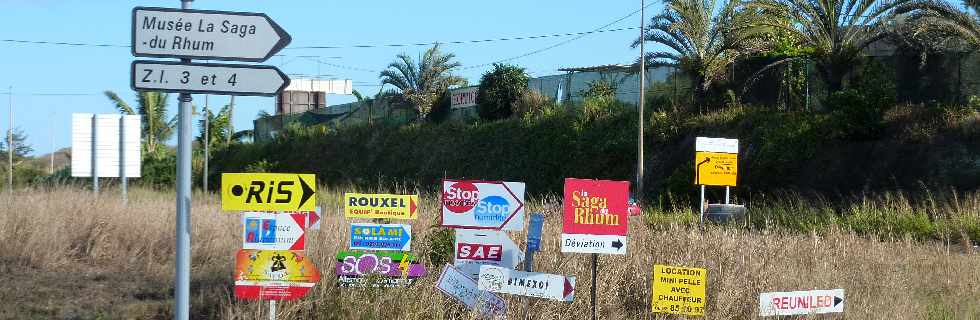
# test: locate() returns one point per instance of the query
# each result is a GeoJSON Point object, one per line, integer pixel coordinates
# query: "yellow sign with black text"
{"type": "Point", "coordinates": [679, 290]}
{"type": "Point", "coordinates": [715, 168]}
{"type": "Point", "coordinates": [380, 206]}
{"type": "Point", "coordinates": [268, 192]}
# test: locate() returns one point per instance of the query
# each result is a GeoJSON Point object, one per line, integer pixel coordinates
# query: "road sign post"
{"type": "Point", "coordinates": [534, 227]}
{"type": "Point", "coordinates": [208, 78]}
{"type": "Point", "coordinates": [205, 34]}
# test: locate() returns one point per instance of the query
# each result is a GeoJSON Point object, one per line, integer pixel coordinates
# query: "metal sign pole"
{"type": "Point", "coordinates": [207, 142]}
{"type": "Point", "coordinates": [727, 192]}
{"type": "Point", "coordinates": [272, 309]}
{"type": "Point", "coordinates": [183, 230]}
{"type": "Point", "coordinates": [95, 153]}
{"type": "Point", "coordinates": [595, 267]}
{"type": "Point", "coordinates": [528, 266]}
{"type": "Point", "coordinates": [122, 157]}
{"type": "Point", "coordinates": [10, 142]}
{"type": "Point", "coordinates": [702, 207]}
{"type": "Point", "coordinates": [643, 72]}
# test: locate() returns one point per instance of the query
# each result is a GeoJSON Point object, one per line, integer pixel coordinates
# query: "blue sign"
{"type": "Point", "coordinates": [370, 236]}
{"type": "Point", "coordinates": [491, 211]}
{"type": "Point", "coordinates": [534, 232]}
{"type": "Point", "coordinates": [260, 230]}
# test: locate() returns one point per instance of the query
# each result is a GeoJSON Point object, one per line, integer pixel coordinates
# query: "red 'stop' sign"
{"type": "Point", "coordinates": [595, 207]}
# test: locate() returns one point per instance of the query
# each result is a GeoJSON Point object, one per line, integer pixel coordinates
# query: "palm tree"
{"type": "Point", "coordinates": [933, 23]}
{"type": "Point", "coordinates": [836, 31]}
{"type": "Point", "coordinates": [218, 127]}
{"type": "Point", "coordinates": [704, 39]}
{"type": "Point", "coordinates": [152, 107]}
{"type": "Point", "coordinates": [421, 84]}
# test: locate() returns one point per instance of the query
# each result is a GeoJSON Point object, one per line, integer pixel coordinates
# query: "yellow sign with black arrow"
{"type": "Point", "coordinates": [268, 192]}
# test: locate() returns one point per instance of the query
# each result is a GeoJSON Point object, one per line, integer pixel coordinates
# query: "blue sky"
{"type": "Point", "coordinates": [42, 74]}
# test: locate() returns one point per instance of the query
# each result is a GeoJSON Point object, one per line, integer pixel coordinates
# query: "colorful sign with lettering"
{"type": "Point", "coordinates": [475, 248]}
{"type": "Point", "coordinates": [274, 265]}
{"type": "Point", "coordinates": [268, 192]}
{"type": "Point", "coordinates": [531, 284]}
{"type": "Point", "coordinates": [459, 286]}
{"type": "Point", "coordinates": [271, 290]}
{"type": "Point", "coordinates": [489, 205]}
{"type": "Point", "coordinates": [801, 302]}
{"type": "Point", "coordinates": [380, 206]}
{"type": "Point", "coordinates": [716, 161]}
{"type": "Point", "coordinates": [388, 264]}
{"type": "Point", "coordinates": [272, 231]}
{"type": "Point", "coordinates": [370, 236]}
{"type": "Point", "coordinates": [595, 216]}
{"type": "Point", "coordinates": [679, 290]}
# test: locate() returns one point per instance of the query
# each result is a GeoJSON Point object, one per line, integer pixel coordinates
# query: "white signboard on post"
{"type": "Point", "coordinates": [488, 205]}
{"type": "Point", "coordinates": [456, 284]}
{"type": "Point", "coordinates": [531, 284]}
{"type": "Point", "coordinates": [107, 144]}
{"type": "Point", "coordinates": [463, 97]}
{"type": "Point", "coordinates": [801, 302]}
{"type": "Point", "coordinates": [209, 78]}
{"type": "Point", "coordinates": [205, 34]}
{"type": "Point", "coordinates": [475, 248]}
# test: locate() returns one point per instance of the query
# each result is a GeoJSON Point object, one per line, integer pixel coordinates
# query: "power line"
{"type": "Point", "coordinates": [596, 30]}
{"type": "Point", "coordinates": [73, 44]}
{"type": "Point", "coordinates": [419, 44]}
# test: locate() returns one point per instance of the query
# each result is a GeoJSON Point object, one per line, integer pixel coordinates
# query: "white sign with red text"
{"type": "Point", "coordinates": [487, 205]}
{"type": "Point", "coordinates": [801, 302]}
{"type": "Point", "coordinates": [531, 284]}
{"type": "Point", "coordinates": [475, 248]}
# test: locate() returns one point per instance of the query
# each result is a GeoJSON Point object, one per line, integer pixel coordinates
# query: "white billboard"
{"type": "Point", "coordinates": [109, 144]}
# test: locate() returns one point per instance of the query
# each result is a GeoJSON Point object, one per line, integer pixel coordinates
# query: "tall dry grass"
{"type": "Point", "coordinates": [67, 254]}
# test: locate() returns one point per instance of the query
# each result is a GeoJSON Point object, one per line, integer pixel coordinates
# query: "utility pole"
{"type": "Point", "coordinates": [182, 265]}
{"type": "Point", "coordinates": [231, 120]}
{"type": "Point", "coordinates": [53, 150]}
{"type": "Point", "coordinates": [643, 74]}
{"type": "Point", "coordinates": [10, 141]}
{"type": "Point", "coordinates": [207, 143]}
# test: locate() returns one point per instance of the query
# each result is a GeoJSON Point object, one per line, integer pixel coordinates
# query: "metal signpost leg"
{"type": "Point", "coordinates": [95, 168]}
{"type": "Point", "coordinates": [595, 267]}
{"type": "Point", "coordinates": [272, 309]}
{"type": "Point", "coordinates": [122, 157]}
{"type": "Point", "coordinates": [643, 73]}
{"type": "Point", "coordinates": [528, 265]}
{"type": "Point", "coordinates": [702, 207]}
{"type": "Point", "coordinates": [183, 265]}
{"type": "Point", "coordinates": [207, 142]}
{"type": "Point", "coordinates": [727, 190]}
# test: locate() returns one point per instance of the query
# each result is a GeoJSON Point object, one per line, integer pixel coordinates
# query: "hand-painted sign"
{"type": "Point", "coordinates": [268, 192]}
{"type": "Point", "coordinates": [380, 206]}
{"type": "Point", "coordinates": [274, 265]}
{"type": "Point", "coordinates": [475, 248]}
{"type": "Point", "coordinates": [271, 290]}
{"type": "Point", "coordinates": [389, 264]}
{"type": "Point", "coordinates": [801, 302]}
{"type": "Point", "coordinates": [370, 236]}
{"type": "Point", "coordinates": [271, 231]}
{"type": "Point", "coordinates": [531, 284]}
{"type": "Point", "coordinates": [205, 34]}
{"type": "Point", "coordinates": [534, 232]}
{"type": "Point", "coordinates": [595, 216]}
{"type": "Point", "coordinates": [456, 284]}
{"type": "Point", "coordinates": [483, 205]}
{"type": "Point", "coordinates": [716, 161]}
{"type": "Point", "coordinates": [679, 290]}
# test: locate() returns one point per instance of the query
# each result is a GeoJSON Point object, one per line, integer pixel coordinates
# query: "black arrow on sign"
{"type": "Point", "coordinates": [837, 301]}
{"type": "Point", "coordinates": [617, 244]}
{"type": "Point", "coordinates": [307, 192]}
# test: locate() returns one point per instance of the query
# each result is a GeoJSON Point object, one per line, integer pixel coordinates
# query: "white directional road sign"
{"type": "Point", "coordinates": [231, 79]}
{"type": "Point", "coordinates": [531, 284]}
{"type": "Point", "coordinates": [273, 231]}
{"type": "Point", "coordinates": [475, 248]}
{"type": "Point", "coordinates": [205, 34]}
{"type": "Point", "coordinates": [801, 302]}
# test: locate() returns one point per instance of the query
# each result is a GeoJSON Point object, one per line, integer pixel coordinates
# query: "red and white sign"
{"type": "Point", "coordinates": [475, 248]}
{"type": "Point", "coordinates": [531, 284]}
{"type": "Point", "coordinates": [273, 231]}
{"type": "Point", "coordinates": [595, 216]}
{"type": "Point", "coordinates": [487, 205]}
{"type": "Point", "coordinates": [801, 302]}
{"type": "Point", "coordinates": [268, 290]}
{"type": "Point", "coordinates": [463, 97]}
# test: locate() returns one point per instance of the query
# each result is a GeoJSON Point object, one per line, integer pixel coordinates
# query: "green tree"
{"type": "Point", "coordinates": [835, 31]}
{"type": "Point", "coordinates": [703, 39]}
{"type": "Point", "coordinates": [422, 83]}
{"type": "Point", "coordinates": [218, 127]}
{"type": "Point", "coordinates": [21, 148]}
{"type": "Point", "coordinates": [499, 89]}
{"type": "Point", "coordinates": [934, 23]}
{"type": "Point", "coordinates": [152, 108]}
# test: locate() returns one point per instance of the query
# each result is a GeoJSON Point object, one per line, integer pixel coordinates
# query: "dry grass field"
{"type": "Point", "coordinates": [65, 254]}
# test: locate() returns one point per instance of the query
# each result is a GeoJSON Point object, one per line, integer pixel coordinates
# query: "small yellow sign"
{"type": "Point", "coordinates": [679, 290]}
{"type": "Point", "coordinates": [380, 206]}
{"type": "Point", "coordinates": [715, 168]}
{"type": "Point", "coordinates": [268, 192]}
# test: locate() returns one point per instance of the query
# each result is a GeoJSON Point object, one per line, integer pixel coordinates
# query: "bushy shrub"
{"type": "Point", "coordinates": [499, 89]}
